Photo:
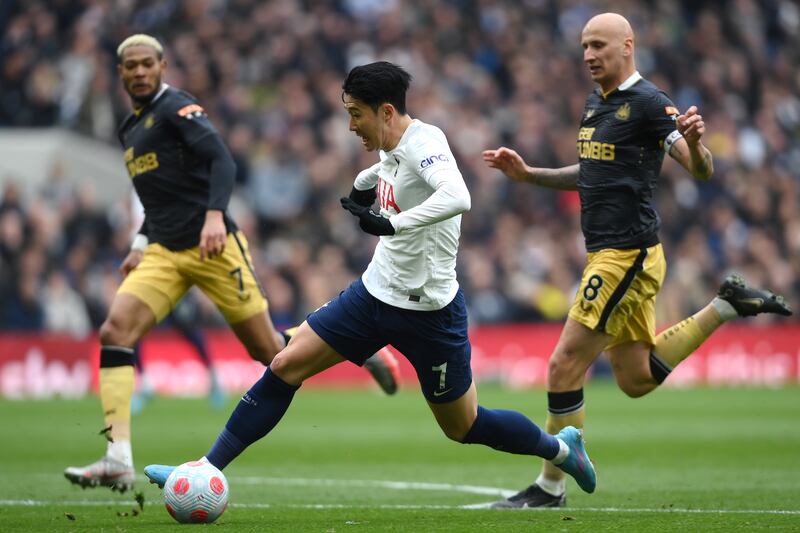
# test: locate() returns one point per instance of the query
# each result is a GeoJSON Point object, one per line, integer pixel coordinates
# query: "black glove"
{"type": "Point", "coordinates": [369, 220]}
{"type": "Point", "coordinates": [365, 198]}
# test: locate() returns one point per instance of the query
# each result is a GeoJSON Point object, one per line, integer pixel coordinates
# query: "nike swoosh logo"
{"type": "Point", "coordinates": [438, 393]}
{"type": "Point", "coordinates": [758, 302]}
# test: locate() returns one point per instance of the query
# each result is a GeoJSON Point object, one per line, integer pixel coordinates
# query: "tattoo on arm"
{"type": "Point", "coordinates": [565, 178]}
{"type": "Point", "coordinates": [699, 165]}
{"type": "Point", "coordinates": [704, 166]}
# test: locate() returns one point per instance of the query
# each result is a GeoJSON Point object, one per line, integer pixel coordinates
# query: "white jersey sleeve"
{"type": "Point", "coordinates": [367, 178]}
{"type": "Point", "coordinates": [437, 167]}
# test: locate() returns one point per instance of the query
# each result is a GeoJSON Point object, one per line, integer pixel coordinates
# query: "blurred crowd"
{"type": "Point", "coordinates": [488, 72]}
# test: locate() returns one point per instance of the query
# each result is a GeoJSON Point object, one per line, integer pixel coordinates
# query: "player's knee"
{"type": "Point", "coordinates": [564, 368]}
{"type": "Point", "coordinates": [634, 389]}
{"type": "Point", "coordinates": [113, 332]}
{"type": "Point", "coordinates": [287, 369]}
{"type": "Point", "coordinates": [279, 365]}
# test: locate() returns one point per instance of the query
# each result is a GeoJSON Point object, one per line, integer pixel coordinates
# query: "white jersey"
{"type": "Point", "coordinates": [422, 192]}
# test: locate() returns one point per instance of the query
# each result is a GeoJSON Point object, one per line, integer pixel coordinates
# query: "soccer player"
{"type": "Point", "coordinates": [408, 296]}
{"type": "Point", "coordinates": [183, 175]}
{"type": "Point", "coordinates": [628, 124]}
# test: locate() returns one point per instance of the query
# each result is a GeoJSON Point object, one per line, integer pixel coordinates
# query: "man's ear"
{"type": "Point", "coordinates": [627, 47]}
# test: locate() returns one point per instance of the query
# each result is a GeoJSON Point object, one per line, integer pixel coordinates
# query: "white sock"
{"type": "Point", "coordinates": [563, 452]}
{"type": "Point", "coordinates": [551, 486]}
{"type": "Point", "coordinates": [121, 451]}
{"type": "Point", "coordinates": [725, 309]}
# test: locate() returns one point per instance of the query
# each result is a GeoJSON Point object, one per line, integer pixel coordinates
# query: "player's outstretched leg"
{"type": "Point", "coordinates": [750, 301]}
{"type": "Point", "coordinates": [106, 472]}
{"type": "Point", "coordinates": [385, 369]}
{"type": "Point", "coordinates": [256, 414]}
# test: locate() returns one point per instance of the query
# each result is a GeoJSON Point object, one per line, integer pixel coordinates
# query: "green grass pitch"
{"type": "Point", "coordinates": [356, 461]}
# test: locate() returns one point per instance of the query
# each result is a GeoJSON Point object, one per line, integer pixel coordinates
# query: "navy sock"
{"type": "Point", "coordinates": [259, 410]}
{"type": "Point", "coordinates": [512, 432]}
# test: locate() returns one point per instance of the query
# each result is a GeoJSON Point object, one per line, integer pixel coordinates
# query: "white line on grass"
{"type": "Point", "coordinates": [374, 483]}
{"type": "Point", "coordinates": [123, 503]}
{"type": "Point", "coordinates": [388, 484]}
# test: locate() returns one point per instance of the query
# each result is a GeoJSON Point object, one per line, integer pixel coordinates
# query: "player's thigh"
{"type": "Point", "coordinates": [576, 349]}
{"type": "Point", "coordinates": [456, 417]}
{"type": "Point", "coordinates": [307, 355]}
{"type": "Point", "coordinates": [615, 283]}
{"type": "Point", "coordinates": [437, 346]}
{"type": "Point", "coordinates": [156, 281]}
{"type": "Point", "coordinates": [351, 323]}
{"type": "Point", "coordinates": [227, 279]}
{"type": "Point", "coordinates": [129, 318]}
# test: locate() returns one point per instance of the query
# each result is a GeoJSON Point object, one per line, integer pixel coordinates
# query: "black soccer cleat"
{"type": "Point", "coordinates": [533, 496]}
{"type": "Point", "coordinates": [749, 301]}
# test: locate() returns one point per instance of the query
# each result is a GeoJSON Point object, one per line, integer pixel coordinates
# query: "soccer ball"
{"type": "Point", "coordinates": [196, 492]}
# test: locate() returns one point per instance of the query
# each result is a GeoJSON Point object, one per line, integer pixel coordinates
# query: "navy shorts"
{"type": "Point", "coordinates": [356, 325]}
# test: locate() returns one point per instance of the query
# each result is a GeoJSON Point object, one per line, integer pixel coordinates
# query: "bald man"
{"type": "Point", "coordinates": [628, 125]}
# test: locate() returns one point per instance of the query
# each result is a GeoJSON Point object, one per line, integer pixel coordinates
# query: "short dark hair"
{"type": "Point", "coordinates": [378, 83]}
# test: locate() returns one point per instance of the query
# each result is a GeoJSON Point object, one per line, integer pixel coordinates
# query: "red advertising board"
{"type": "Point", "coordinates": [42, 366]}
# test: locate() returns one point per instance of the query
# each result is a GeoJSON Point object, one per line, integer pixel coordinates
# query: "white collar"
{"type": "Point", "coordinates": [627, 84]}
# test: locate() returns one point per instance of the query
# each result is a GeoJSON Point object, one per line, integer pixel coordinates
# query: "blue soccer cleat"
{"type": "Point", "coordinates": [158, 474]}
{"type": "Point", "coordinates": [577, 463]}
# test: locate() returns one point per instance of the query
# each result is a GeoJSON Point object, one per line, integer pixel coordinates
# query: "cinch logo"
{"type": "Point", "coordinates": [432, 160]}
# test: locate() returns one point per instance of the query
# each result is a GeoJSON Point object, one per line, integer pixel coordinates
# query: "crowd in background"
{"type": "Point", "coordinates": [488, 72]}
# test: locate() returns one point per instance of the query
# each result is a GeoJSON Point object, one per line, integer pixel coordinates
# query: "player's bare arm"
{"type": "Point", "coordinates": [213, 235]}
{"type": "Point", "coordinates": [690, 151]}
{"type": "Point", "coordinates": [512, 165]}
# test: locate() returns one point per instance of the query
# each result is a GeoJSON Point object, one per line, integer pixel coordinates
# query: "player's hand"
{"type": "Point", "coordinates": [508, 162]}
{"type": "Point", "coordinates": [691, 126]}
{"type": "Point", "coordinates": [131, 261]}
{"type": "Point", "coordinates": [369, 220]}
{"type": "Point", "coordinates": [213, 235]}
